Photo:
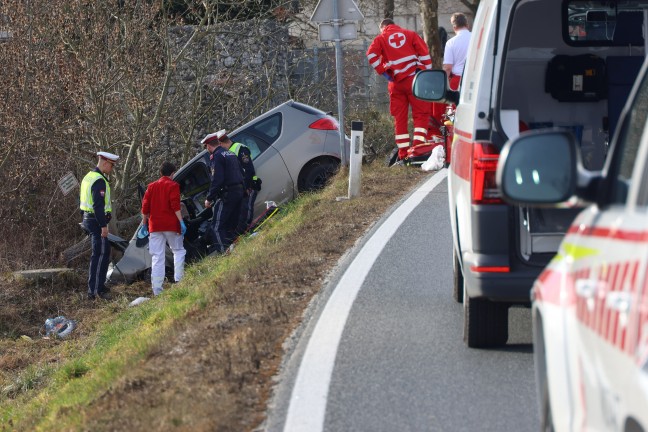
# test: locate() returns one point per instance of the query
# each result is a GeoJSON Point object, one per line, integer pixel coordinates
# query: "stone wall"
{"type": "Point", "coordinates": [241, 70]}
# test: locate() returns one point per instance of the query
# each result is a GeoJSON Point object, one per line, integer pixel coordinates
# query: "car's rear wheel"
{"type": "Point", "coordinates": [485, 322]}
{"type": "Point", "coordinates": [316, 174]}
{"type": "Point", "coordinates": [458, 283]}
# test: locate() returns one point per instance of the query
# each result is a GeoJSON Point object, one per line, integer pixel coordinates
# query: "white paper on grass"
{"type": "Point", "coordinates": [436, 160]}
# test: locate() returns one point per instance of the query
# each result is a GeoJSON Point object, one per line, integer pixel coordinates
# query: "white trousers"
{"type": "Point", "coordinates": [157, 248]}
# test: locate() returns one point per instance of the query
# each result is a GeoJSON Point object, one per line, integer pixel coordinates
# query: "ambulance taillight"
{"type": "Point", "coordinates": [484, 165]}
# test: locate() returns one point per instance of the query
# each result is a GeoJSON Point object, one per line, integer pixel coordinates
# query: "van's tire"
{"type": "Point", "coordinates": [542, 379]}
{"type": "Point", "coordinates": [485, 323]}
{"type": "Point", "coordinates": [316, 174]}
{"type": "Point", "coordinates": [458, 280]}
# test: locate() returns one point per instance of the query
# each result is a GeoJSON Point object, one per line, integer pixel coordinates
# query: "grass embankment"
{"type": "Point", "coordinates": [202, 355]}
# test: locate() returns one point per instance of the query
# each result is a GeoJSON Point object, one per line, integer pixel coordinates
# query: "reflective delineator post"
{"type": "Point", "coordinates": [355, 159]}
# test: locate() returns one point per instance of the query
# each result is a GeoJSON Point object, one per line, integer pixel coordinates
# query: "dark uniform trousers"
{"type": "Point", "coordinates": [225, 218]}
{"type": "Point", "coordinates": [100, 256]}
{"type": "Point", "coordinates": [247, 211]}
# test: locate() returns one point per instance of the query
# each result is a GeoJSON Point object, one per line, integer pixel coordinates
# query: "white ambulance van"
{"type": "Point", "coordinates": [532, 65]}
{"type": "Point", "coordinates": [590, 305]}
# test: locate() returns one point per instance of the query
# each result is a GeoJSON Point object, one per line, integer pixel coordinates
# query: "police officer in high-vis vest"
{"type": "Point", "coordinates": [225, 192]}
{"type": "Point", "coordinates": [96, 206]}
{"type": "Point", "coordinates": [251, 181]}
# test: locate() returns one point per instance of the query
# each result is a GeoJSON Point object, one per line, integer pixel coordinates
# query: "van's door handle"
{"type": "Point", "coordinates": [619, 301]}
{"type": "Point", "coordinates": [586, 288]}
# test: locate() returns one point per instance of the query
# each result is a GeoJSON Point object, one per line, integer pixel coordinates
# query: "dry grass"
{"type": "Point", "coordinates": [212, 368]}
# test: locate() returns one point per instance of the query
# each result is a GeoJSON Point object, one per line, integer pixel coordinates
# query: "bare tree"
{"type": "Point", "coordinates": [388, 7]}
{"type": "Point", "coordinates": [429, 12]}
{"type": "Point", "coordinates": [472, 5]}
{"type": "Point", "coordinates": [81, 76]}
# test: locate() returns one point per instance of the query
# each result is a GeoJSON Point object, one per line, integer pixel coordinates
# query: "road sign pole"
{"type": "Point", "coordinates": [339, 72]}
{"type": "Point", "coordinates": [340, 93]}
{"type": "Point", "coordinates": [339, 16]}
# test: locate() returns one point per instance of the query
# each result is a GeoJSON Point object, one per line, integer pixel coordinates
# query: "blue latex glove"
{"type": "Point", "coordinates": [183, 228]}
{"type": "Point", "coordinates": [389, 78]}
{"type": "Point", "coordinates": [143, 232]}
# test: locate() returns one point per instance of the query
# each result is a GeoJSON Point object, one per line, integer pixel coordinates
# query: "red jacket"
{"type": "Point", "coordinates": [399, 52]}
{"type": "Point", "coordinates": [161, 201]}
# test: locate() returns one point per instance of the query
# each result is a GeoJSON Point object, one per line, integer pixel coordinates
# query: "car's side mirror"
{"type": "Point", "coordinates": [432, 86]}
{"type": "Point", "coordinates": [539, 168]}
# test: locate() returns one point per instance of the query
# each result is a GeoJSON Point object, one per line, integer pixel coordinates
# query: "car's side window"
{"type": "Point", "coordinates": [254, 143]}
{"type": "Point", "coordinates": [628, 143]}
{"type": "Point", "coordinates": [261, 135]}
{"type": "Point", "coordinates": [269, 129]}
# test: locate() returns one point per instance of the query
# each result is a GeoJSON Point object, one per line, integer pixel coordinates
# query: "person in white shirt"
{"type": "Point", "coordinates": [456, 49]}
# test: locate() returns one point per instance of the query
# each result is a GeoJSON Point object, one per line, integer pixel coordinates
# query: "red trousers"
{"type": "Point", "coordinates": [400, 99]}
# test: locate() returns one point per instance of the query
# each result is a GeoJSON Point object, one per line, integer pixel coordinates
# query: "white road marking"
{"type": "Point", "coordinates": [308, 400]}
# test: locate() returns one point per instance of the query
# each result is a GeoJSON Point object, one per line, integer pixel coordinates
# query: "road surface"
{"type": "Point", "coordinates": [382, 348]}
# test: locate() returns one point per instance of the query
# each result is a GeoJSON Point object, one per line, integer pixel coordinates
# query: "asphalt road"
{"type": "Point", "coordinates": [382, 349]}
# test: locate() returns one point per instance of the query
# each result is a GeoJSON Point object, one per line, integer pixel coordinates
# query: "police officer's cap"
{"type": "Point", "coordinates": [109, 156]}
{"type": "Point", "coordinates": [214, 138]}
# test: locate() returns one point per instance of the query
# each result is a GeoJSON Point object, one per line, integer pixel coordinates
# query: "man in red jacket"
{"type": "Point", "coordinates": [161, 216]}
{"type": "Point", "coordinates": [397, 54]}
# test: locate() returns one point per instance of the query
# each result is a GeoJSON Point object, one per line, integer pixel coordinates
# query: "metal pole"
{"type": "Point", "coordinates": [339, 71]}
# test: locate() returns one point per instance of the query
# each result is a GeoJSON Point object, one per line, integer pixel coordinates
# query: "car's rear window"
{"type": "Point", "coordinates": [603, 22]}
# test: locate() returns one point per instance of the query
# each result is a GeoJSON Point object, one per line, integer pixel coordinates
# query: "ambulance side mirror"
{"type": "Point", "coordinates": [432, 86]}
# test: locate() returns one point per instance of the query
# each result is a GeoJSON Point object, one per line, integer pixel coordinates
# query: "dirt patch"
{"type": "Point", "coordinates": [214, 370]}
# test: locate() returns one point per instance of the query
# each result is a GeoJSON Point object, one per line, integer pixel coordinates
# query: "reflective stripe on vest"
{"type": "Point", "coordinates": [86, 201]}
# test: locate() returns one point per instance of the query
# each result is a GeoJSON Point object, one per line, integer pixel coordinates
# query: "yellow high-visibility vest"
{"type": "Point", "coordinates": [86, 202]}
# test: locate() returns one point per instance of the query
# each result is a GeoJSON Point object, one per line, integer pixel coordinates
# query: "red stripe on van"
{"type": "Point", "coordinates": [461, 156]}
{"type": "Point", "coordinates": [612, 233]}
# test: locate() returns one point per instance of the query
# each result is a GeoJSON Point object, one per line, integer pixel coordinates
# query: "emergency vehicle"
{"type": "Point", "coordinates": [590, 304]}
{"type": "Point", "coordinates": [531, 65]}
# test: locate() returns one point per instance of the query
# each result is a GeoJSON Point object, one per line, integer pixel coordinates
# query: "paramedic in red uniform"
{"type": "Point", "coordinates": [397, 54]}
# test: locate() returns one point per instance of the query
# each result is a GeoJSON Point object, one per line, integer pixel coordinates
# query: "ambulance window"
{"type": "Point", "coordinates": [603, 23]}
{"type": "Point", "coordinates": [628, 142]}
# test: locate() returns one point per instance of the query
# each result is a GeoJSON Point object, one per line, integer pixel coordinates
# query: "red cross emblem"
{"type": "Point", "coordinates": [397, 40]}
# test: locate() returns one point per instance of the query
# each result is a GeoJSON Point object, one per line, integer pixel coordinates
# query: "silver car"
{"type": "Point", "coordinates": [295, 148]}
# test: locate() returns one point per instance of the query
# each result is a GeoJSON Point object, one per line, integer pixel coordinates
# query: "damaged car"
{"type": "Point", "coordinates": [295, 149]}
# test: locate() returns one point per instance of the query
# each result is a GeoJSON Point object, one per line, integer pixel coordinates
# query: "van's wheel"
{"type": "Point", "coordinates": [485, 323]}
{"type": "Point", "coordinates": [316, 175]}
{"type": "Point", "coordinates": [458, 283]}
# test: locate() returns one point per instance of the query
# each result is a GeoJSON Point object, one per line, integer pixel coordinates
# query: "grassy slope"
{"type": "Point", "coordinates": [202, 355]}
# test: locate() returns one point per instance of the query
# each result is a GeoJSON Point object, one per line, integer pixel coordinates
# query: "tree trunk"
{"type": "Point", "coordinates": [472, 5]}
{"type": "Point", "coordinates": [389, 9]}
{"type": "Point", "coordinates": [430, 17]}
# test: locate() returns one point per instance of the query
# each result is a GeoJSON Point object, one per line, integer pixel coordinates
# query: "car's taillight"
{"type": "Point", "coordinates": [325, 123]}
{"type": "Point", "coordinates": [484, 165]}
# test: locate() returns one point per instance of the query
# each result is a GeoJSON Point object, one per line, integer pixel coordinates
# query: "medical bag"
{"type": "Point", "coordinates": [578, 78]}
